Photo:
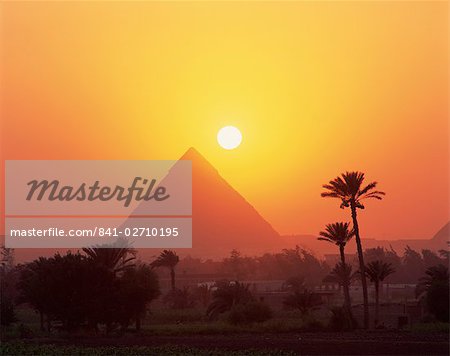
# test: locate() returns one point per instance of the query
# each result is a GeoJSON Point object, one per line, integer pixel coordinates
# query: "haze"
{"type": "Point", "coordinates": [315, 88]}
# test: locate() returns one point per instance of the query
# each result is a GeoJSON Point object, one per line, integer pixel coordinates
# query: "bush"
{"type": "Point", "coordinates": [227, 295]}
{"type": "Point", "coordinates": [252, 312]}
{"type": "Point", "coordinates": [304, 301]}
{"type": "Point", "coordinates": [340, 320]}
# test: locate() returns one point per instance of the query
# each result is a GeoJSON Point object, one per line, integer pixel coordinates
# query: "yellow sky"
{"type": "Point", "coordinates": [316, 88]}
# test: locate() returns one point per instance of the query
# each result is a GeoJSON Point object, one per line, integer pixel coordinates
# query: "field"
{"type": "Point", "coordinates": [186, 332]}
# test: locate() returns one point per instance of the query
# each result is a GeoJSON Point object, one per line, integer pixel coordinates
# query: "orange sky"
{"type": "Point", "coordinates": [316, 89]}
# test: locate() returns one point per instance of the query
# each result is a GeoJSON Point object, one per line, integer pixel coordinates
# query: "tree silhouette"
{"type": "Point", "coordinates": [168, 259]}
{"type": "Point", "coordinates": [303, 301]}
{"type": "Point", "coordinates": [343, 275]}
{"type": "Point", "coordinates": [434, 287]}
{"type": "Point", "coordinates": [71, 289]}
{"type": "Point", "coordinates": [348, 188]}
{"type": "Point", "coordinates": [137, 287]}
{"type": "Point", "coordinates": [340, 273]}
{"type": "Point", "coordinates": [113, 259]}
{"type": "Point", "coordinates": [435, 273]}
{"type": "Point", "coordinates": [34, 285]}
{"type": "Point", "coordinates": [339, 234]}
{"type": "Point", "coordinates": [237, 265]}
{"type": "Point", "coordinates": [76, 291]}
{"type": "Point", "coordinates": [377, 271]}
{"type": "Point", "coordinates": [180, 298]}
{"type": "Point", "coordinates": [413, 265]}
{"type": "Point", "coordinates": [227, 295]}
{"type": "Point", "coordinates": [8, 280]}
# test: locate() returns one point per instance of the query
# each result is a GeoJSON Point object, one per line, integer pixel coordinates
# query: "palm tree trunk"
{"type": "Point", "coordinates": [172, 278]}
{"type": "Point", "coordinates": [346, 286]}
{"type": "Point", "coordinates": [362, 266]}
{"type": "Point", "coordinates": [341, 252]}
{"type": "Point", "coordinates": [377, 302]}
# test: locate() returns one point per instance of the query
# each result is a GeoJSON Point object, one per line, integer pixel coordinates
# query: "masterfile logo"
{"type": "Point", "coordinates": [84, 203]}
{"type": "Point", "coordinates": [53, 191]}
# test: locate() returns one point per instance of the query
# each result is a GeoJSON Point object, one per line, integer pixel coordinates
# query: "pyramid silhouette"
{"type": "Point", "coordinates": [222, 219]}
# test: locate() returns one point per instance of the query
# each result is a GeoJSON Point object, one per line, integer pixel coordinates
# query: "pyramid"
{"type": "Point", "coordinates": [222, 219]}
{"type": "Point", "coordinates": [443, 235]}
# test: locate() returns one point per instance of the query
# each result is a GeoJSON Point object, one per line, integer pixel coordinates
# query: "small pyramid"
{"type": "Point", "coordinates": [443, 235]}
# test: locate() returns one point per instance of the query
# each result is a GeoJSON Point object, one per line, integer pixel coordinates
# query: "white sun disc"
{"type": "Point", "coordinates": [229, 137]}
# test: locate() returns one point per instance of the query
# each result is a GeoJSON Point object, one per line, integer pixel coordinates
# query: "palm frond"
{"type": "Point", "coordinates": [348, 188]}
{"type": "Point", "coordinates": [338, 233]}
{"type": "Point", "coordinates": [378, 271]}
{"type": "Point", "coordinates": [368, 187]}
{"type": "Point", "coordinates": [167, 258]}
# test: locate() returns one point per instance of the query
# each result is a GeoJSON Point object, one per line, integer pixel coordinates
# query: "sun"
{"type": "Point", "coordinates": [229, 137]}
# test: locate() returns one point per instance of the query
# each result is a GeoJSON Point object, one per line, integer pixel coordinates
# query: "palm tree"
{"type": "Point", "coordinates": [436, 273]}
{"type": "Point", "coordinates": [304, 301]}
{"type": "Point", "coordinates": [339, 234]}
{"type": "Point", "coordinates": [168, 259]}
{"type": "Point", "coordinates": [227, 295]}
{"type": "Point", "coordinates": [377, 271]}
{"type": "Point", "coordinates": [113, 259]}
{"type": "Point", "coordinates": [340, 273]}
{"type": "Point", "coordinates": [343, 274]}
{"type": "Point", "coordinates": [348, 188]}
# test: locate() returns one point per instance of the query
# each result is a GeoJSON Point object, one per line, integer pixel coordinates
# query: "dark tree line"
{"type": "Point", "coordinates": [107, 287]}
{"type": "Point", "coordinates": [410, 266]}
{"type": "Point", "coordinates": [76, 290]}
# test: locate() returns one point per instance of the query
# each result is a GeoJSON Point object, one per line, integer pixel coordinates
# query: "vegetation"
{"type": "Point", "coordinates": [21, 348]}
{"type": "Point", "coordinates": [377, 271]}
{"type": "Point", "coordinates": [339, 234]}
{"type": "Point", "coordinates": [115, 260]}
{"type": "Point", "coordinates": [107, 290]}
{"type": "Point", "coordinates": [168, 259]}
{"type": "Point", "coordinates": [137, 287]}
{"type": "Point", "coordinates": [349, 189]}
{"type": "Point", "coordinates": [251, 312]}
{"type": "Point", "coordinates": [180, 298]}
{"type": "Point", "coordinates": [49, 285]}
{"type": "Point", "coordinates": [434, 288]}
{"type": "Point", "coordinates": [341, 274]}
{"type": "Point", "coordinates": [340, 320]}
{"type": "Point", "coordinates": [227, 295]}
{"type": "Point", "coordinates": [8, 280]}
{"type": "Point", "coordinates": [304, 301]}
{"type": "Point", "coordinates": [76, 291]}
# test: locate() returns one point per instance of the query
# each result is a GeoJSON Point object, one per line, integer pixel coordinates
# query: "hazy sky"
{"type": "Point", "coordinates": [316, 88]}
